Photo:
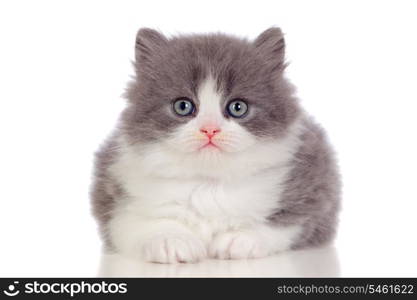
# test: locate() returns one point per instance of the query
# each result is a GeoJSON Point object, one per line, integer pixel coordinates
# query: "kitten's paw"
{"type": "Point", "coordinates": [173, 249]}
{"type": "Point", "coordinates": [237, 245]}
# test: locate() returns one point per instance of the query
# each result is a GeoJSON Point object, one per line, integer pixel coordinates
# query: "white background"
{"type": "Point", "coordinates": [64, 66]}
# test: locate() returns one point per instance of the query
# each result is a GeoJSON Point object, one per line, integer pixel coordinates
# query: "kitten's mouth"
{"type": "Point", "coordinates": [209, 145]}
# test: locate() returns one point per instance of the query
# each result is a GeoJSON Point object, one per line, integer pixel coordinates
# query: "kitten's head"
{"type": "Point", "coordinates": [216, 94]}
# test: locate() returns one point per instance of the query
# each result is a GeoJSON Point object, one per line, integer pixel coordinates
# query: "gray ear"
{"type": "Point", "coordinates": [148, 43]}
{"type": "Point", "coordinates": [271, 45]}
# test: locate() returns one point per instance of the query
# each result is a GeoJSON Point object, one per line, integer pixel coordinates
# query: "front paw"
{"type": "Point", "coordinates": [238, 245]}
{"type": "Point", "coordinates": [173, 249]}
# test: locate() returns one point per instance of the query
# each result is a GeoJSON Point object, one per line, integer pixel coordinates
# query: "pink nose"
{"type": "Point", "coordinates": [210, 131]}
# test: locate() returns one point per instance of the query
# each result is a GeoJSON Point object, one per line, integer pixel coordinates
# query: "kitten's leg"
{"type": "Point", "coordinates": [254, 242]}
{"type": "Point", "coordinates": [155, 240]}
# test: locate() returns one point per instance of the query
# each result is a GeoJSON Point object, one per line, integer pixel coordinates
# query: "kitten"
{"type": "Point", "coordinates": [213, 157]}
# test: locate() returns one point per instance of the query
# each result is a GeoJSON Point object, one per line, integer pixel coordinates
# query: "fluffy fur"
{"type": "Point", "coordinates": [269, 184]}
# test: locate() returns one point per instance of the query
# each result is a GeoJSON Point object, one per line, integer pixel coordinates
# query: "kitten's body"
{"type": "Point", "coordinates": [269, 184]}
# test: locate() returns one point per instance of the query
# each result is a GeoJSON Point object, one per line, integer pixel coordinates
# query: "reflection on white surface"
{"type": "Point", "coordinates": [318, 262]}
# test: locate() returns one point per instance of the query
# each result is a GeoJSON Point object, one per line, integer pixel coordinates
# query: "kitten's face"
{"type": "Point", "coordinates": [210, 94]}
{"type": "Point", "coordinates": [212, 125]}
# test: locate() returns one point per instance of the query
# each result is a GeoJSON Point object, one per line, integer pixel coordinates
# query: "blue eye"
{"type": "Point", "coordinates": [237, 108]}
{"type": "Point", "coordinates": [183, 106]}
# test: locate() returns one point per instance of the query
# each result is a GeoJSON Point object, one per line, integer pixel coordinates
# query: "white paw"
{"type": "Point", "coordinates": [173, 249]}
{"type": "Point", "coordinates": [237, 245]}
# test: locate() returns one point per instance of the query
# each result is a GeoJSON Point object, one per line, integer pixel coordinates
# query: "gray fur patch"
{"type": "Point", "coordinates": [312, 190]}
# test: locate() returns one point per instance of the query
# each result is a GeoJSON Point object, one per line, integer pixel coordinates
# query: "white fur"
{"type": "Point", "coordinates": [185, 202]}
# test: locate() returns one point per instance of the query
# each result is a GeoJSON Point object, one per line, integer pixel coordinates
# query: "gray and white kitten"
{"type": "Point", "coordinates": [213, 157]}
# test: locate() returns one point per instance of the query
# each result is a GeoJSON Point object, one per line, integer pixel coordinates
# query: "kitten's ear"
{"type": "Point", "coordinates": [271, 45]}
{"type": "Point", "coordinates": [148, 43]}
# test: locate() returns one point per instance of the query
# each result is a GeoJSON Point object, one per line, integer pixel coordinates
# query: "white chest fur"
{"type": "Point", "coordinates": [207, 206]}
